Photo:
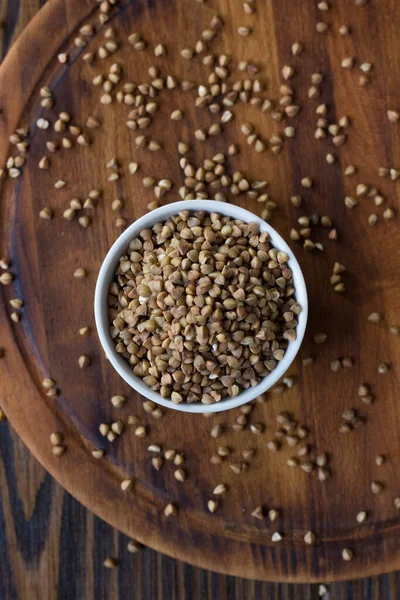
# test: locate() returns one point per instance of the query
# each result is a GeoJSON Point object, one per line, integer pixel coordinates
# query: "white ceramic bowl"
{"type": "Point", "coordinates": [106, 275]}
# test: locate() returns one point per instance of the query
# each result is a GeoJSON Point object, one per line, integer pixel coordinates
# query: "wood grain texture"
{"type": "Point", "coordinates": [45, 554]}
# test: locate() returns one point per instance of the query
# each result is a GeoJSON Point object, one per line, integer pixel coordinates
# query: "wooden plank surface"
{"type": "Point", "coordinates": [51, 547]}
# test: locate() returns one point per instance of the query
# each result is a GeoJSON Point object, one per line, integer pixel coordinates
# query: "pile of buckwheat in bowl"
{"type": "Point", "coordinates": [202, 306]}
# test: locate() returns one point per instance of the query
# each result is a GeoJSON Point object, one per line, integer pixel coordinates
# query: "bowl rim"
{"type": "Point", "coordinates": [105, 276]}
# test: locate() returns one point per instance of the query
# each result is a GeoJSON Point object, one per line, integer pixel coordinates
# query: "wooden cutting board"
{"type": "Point", "coordinates": [45, 254]}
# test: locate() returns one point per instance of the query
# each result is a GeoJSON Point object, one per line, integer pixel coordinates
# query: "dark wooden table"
{"type": "Point", "coordinates": [51, 547]}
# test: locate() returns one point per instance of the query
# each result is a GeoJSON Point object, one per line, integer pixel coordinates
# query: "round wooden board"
{"type": "Point", "coordinates": [46, 253]}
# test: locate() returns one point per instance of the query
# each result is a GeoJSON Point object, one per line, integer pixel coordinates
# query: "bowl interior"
{"type": "Point", "coordinates": [106, 275]}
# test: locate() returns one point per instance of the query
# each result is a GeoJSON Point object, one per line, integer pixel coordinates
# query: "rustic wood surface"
{"type": "Point", "coordinates": [53, 547]}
